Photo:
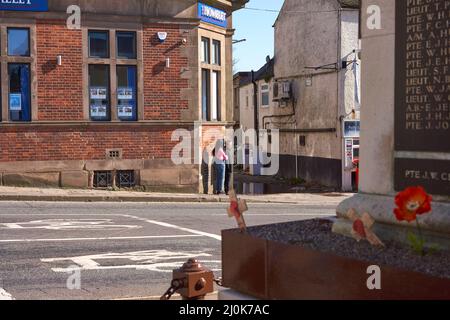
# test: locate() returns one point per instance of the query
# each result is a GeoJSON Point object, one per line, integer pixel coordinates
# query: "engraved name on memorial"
{"type": "Point", "coordinates": [422, 111]}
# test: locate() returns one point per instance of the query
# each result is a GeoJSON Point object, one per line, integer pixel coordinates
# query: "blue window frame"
{"type": "Point", "coordinates": [99, 44]}
{"type": "Point", "coordinates": [126, 45]}
{"type": "Point", "coordinates": [99, 93]}
{"type": "Point", "coordinates": [19, 92]}
{"type": "Point", "coordinates": [127, 93]}
{"type": "Point", "coordinates": [19, 42]}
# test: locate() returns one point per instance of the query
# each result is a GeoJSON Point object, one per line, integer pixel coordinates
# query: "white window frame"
{"type": "Point", "coordinates": [266, 90]}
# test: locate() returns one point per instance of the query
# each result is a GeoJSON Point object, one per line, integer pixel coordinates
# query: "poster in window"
{"type": "Point", "coordinates": [15, 102]}
{"type": "Point", "coordinates": [124, 93]}
{"type": "Point", "coordinates": [98, 93]}
{"type": "Point", "coordinates": [98, 111]}
{"type": "Point", "coordinates": [125, 111]}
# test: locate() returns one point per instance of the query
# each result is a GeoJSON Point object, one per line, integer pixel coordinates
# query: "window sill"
{"type": "Point", "coordinates": [146, 123]}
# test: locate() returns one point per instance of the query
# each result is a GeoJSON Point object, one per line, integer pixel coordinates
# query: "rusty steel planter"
{"type": "Point", "coordinates": [276, 271]}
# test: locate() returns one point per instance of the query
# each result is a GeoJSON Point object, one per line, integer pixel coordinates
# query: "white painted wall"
{"type": "Point", "coordinates": [246, 108]}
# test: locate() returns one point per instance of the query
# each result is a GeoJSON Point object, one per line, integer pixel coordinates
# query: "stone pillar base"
{"type": "Point", "coordinates": [435, 225]}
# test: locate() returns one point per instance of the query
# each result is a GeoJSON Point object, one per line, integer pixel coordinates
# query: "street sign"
{"type": "Point", "coordinates": [24, 5]}
{"type": "Point", "coordinates": [212, 15]}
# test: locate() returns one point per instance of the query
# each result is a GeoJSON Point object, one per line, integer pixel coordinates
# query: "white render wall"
{"type": "Point", "coordinates": [246, 108]}
{"type": "Point", "coordinates": [349, 42]}
{"type": "Point", "coordinates": [306, 40]}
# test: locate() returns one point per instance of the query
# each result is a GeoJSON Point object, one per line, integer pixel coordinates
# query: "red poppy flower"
{"type": "Point", "coordinates": [234, 207]}
{"type": "Point", "coordinates": [412, 202]}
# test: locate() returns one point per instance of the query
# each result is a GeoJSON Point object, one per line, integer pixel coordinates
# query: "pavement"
{"type": "Point", "coordinates": [81, 195]}
{"type": "Point", "coordinates": [119, 250]}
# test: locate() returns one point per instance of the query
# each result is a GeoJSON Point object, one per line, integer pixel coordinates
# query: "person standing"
{"type": "Point", "coordinates": [219, 160]}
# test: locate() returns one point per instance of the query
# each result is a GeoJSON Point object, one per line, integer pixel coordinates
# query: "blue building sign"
{"type": "Point", "coordinates": [352, 128]}
{"type": "Point", "coordinates": [212, 15]}
{"type": "Point", "coordinates": [24, 5]}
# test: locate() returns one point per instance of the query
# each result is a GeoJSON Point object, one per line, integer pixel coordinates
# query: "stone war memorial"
{"type": "Point", "coordinates": [392, 239]}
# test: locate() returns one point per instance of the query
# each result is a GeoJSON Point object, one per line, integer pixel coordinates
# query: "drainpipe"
{"type": "Point", "coordinates": [255, 105]}
{"type": "Point", "coordinates": [297, 143]}
{"type": "Point", "coordinates": [294, 106]}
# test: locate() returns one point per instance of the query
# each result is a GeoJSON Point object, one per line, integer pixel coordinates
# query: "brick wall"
{"type": "Point", "coordinates": [210, 135]}
{"type": "Point", "coordinates": [60, 87]}
{"type": "Point", "coordinates": [59, 93]}
{"type": "Point", "coordinates": [60, 98]}
{"type": "Point", "coordinates": [72, 143]}
{"type": "Point", "coordinates": [163, 85]}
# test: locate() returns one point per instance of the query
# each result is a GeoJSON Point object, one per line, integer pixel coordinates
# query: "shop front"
{"type": "Point", "coordinates": [96, 104]}
{"type": "Point", "coordinates": [352, 129]}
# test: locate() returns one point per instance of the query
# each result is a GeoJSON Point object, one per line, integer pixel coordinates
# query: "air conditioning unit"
{"type": "Point", "coordinates": [282, 90]}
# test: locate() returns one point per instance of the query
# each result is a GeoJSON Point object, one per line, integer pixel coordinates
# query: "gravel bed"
{"type": "Point", "coordinates": [317, 235]}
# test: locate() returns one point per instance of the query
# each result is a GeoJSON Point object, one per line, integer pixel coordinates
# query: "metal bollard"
{"type": "Point", "coordinates": [192, 281]}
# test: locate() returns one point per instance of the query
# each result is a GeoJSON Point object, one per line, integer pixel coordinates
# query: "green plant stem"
{"type": "Point", "coordinates": [422, 240]}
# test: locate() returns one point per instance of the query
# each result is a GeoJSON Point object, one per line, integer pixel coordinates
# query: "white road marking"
{"type": "Point", "coordinates": [152, 260]}
{"type": "Point", "coordinates": [290, 214]}
{"type": "Point", "coordinates": [5, 295]}
{"type": "Point", "coordinates": [176, 296]}
{"type": "Point", "coordinates": [168, 225]}
{"type": "Point", "coordinates": [68, 224]}
{"type": "Point", "coordinates": [95, 239]}
{"type": "Point", "coordinates": [163, 224]}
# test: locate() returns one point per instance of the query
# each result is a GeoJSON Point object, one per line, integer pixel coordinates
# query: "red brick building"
{"type": "Point", "coordinates": [95, 105]}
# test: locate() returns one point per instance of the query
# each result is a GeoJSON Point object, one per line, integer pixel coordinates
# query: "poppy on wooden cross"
{"type": "Point", "coordinates": [362, 228]}
{"type": "Point", "coordinates": [237, 209]}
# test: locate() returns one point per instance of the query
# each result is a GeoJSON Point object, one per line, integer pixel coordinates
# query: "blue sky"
{"type": "Point", "coordinates": [256, 27]}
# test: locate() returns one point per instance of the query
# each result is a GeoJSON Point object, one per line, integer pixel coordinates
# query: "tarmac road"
{"type": "Point", "coordinates": [69, 250]}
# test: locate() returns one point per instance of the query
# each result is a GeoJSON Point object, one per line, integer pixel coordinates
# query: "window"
{"type": "Point", "coordinates": [205, 51]}
{"type": "Point", "coordinates": [114, 154]}
{"type": "Point", "coordinates": [215, 96]}
{"type": "Point", "coordinates": [211, 73]}
{"type": "Point", "coordinates": [99, 96]}
{"type": "Point", "coordinates": [265, 95]}
{"type": "Point", "coordinates": [103, 179]}
{"type": "Point", "coordinates": [19, 42]}
{"type": "Point", "coordinates": [216, 53]}
{"type": "Point", "coordinates": [99, 44]}
{"type": "Point", "coordinates": [125, 179]}
{"type": "Point", "coordinates": [210, 95]}
{"type": "Point", "coordinates": [19, 92]}
{"type": "Point", "coordinates": [127, 93]}
{"type": "Point", "coordinates": [205, 94]}
{"type": "Point", "coordinates": [113, 75]}
{"type": "Point", "coordinates": [126, 45]}
{"type": "Point", "coordinates": [302, 141]}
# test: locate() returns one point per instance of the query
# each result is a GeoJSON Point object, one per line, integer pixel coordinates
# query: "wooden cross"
{"type": "Point", "coordinates": [237, 209]}
{"type": "Point", "coordinates": [362, 228]}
